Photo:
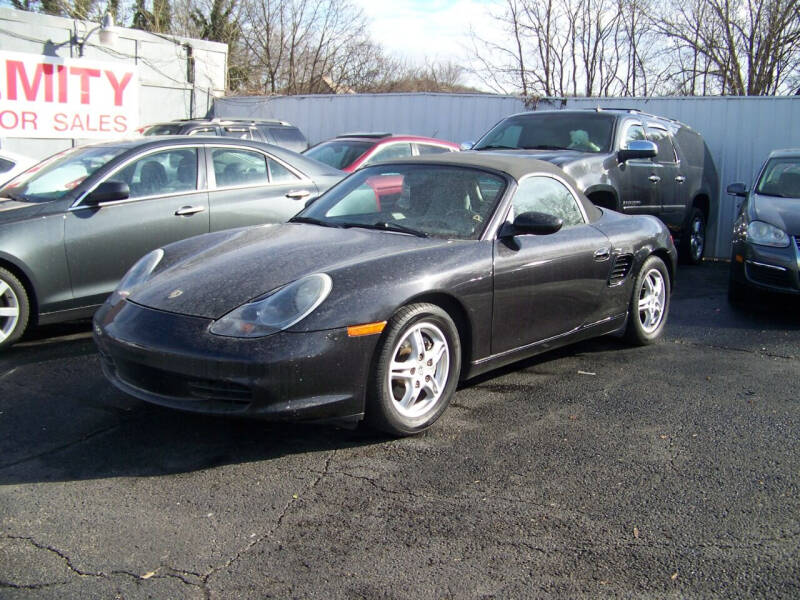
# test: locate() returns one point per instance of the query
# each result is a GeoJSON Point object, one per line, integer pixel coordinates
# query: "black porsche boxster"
{"type": "Point", "coordinates": [376, 299]}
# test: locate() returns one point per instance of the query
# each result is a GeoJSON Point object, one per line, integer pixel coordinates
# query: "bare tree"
{"type": "Point", "coordinates": [749, 47]}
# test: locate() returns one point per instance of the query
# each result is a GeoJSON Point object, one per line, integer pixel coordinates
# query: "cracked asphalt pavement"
{"type": "Point", "coordinates": [599, 470]}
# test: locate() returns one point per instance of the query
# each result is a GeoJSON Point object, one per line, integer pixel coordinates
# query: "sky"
{"type": "Point", "coordinates": [436, 30]}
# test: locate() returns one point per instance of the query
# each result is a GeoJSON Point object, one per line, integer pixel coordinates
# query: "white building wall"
{"type": "Point", "coordinates": [165, 92]}
{"type": "Point", "coordinates": [739, 131]}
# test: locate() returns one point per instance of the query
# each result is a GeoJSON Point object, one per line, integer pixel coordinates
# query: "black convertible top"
{"type": "Point", "coordinates": [513, 165]}
{"type": "Point", "coordinates": [516, 166]}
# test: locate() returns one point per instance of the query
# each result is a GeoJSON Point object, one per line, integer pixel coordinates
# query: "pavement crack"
{"type": "Point", "coordinates": [60, 553]}
{"type": "Point", "coordinates": [57, 449]}
{"type": "Point", "coordinates": [734, 349]}
{"type": "Point", "coordinates": [269, 533]}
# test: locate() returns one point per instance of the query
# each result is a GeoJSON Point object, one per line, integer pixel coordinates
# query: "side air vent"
{"type": "Point", "coordinates": [620, 269]}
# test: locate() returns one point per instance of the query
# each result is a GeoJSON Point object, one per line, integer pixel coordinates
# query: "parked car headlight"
{"type": "Point", "coordinates": [278, 311]}
{"type": "Point", "coordinates": [765, 234]}
{"type": "Point", "coordinates": [136, 275]}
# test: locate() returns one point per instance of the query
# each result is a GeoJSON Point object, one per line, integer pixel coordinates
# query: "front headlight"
{"type": "Point", "coordinates": [765, 234]}
{"type": "Point", "coordinates": [278, 311]}
{"type": "Point", "coordinates": [137, 274]}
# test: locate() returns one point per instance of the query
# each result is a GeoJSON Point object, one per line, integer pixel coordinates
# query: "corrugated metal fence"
{"type": "Point", "coordinates": [740, 132]}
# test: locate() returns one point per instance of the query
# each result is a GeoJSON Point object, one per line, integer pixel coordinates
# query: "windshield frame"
{"type": "Point", "coordinates": [529, 119]}
{"type": "Point", "coordinates": [318, 209]}
{"type": "Point", "coordinates": [56, 161]}
{"type": "Point", "coordinates": [770, 165]}
{"type": "Point", "coordinates": [368, 146]}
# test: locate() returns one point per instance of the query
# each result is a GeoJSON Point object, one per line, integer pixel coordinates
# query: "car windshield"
{"type": "Point", "coordinates": [550, 130]}
{"type": "Point", "coordinates": [439, 201]}
{"type": "Point", "coordinates": [60, 174]}
{"type": "Point", "coordinates": [163, 129]}
{"type": "Point", "coordinates": [339, 154]}
{"type": "Point", "coordinates": [781, 177]}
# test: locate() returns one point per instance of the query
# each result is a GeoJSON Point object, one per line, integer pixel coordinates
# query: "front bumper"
{"type": "Point", "coordinates": [172, 360]}
{"type": "Point", "coordinates": [766, 268]}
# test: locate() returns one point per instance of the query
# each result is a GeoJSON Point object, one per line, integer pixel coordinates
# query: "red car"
{"type": "Point", "coordinates": [352, 151]}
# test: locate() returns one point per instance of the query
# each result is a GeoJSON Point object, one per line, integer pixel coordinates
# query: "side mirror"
{"type": "Point", "coordinates": [532, 223]}
{"type": "Point", "coordinates": [737, 189]}
{"type": "Point", "coordinates": [467, 145]}
{"type": "Point", "coordinates": [108, 191]}
{"type": "Point", "coordinates": [637, 149]}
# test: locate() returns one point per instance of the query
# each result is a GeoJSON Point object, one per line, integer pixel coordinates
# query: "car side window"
{"type": "Point", "coordinates": [5, 165]}
{"type": "Point", "coordinates": [662, 139]}
{"type": "Point", "coordinates": [635, 133]}
{"type": "Point", "coordinates": [160, 173]}
{"type": "Point", "coordinates": [390, 152]}
{"type": "Point", "coordinates": [233, 167]}
{"type": "Point", "coordinates": [204, 131]}
{"type": "Point", "coordinates": [243, 133]}
{"type": "Point", "coordinates": [546, 195]}
{"type": "Point", "coordinates": [431, 149]}
{"type": "Point", "coordinates": [280, 174]}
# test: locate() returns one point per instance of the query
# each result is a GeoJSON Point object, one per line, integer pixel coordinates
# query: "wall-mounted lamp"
{"type": "Point", "coordinates": [107, 35]}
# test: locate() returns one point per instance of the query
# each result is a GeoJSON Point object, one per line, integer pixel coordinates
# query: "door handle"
{"type": "Point", "coordinates": [298, 194]}
{"type": "Point", "coordinates": [680, 179]}
{"type": "Point", "coordinates": [184, 211]}
{"type": "Point", "coordinates": [654, 178]}
{"type": "Point", "coordinates": [602, 254]}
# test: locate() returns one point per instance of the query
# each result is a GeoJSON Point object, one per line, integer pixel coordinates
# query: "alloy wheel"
{"type": "Point", "coordinates": [419, 368]}
{"type": "Point", "coordinates": [9, 310]}
{"type": "Point", "coordinates": [652, 297]}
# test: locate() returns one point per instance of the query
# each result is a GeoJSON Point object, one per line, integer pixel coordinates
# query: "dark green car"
{"type": "Point", "coordinates": [71, 226]}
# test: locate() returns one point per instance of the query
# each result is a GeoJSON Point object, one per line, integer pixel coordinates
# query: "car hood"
{"type": "Point", "coordinates": [781, 212]}
{"type": "Point", "coordinates": [556, 157]}
{"type": "Point", "coordinates": [241, 265]}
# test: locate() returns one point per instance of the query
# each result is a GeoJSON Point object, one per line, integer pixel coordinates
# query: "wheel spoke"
{"type": "Point", "coordinates": [437, 352]}
{"type": "Point", "coordinates": [401, 370]}
{"type": "Point", "coordinates": [410, 398]}
{"type": "Point", "coordinates": [9, 311]}
{"type": "Point", "coordinates": [3, 287]}
{"type": "Point", "coordinates": [417, 344]}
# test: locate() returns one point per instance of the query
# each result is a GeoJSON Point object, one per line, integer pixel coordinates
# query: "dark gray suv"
{"type": "Point", "coordinates": [625, 160]}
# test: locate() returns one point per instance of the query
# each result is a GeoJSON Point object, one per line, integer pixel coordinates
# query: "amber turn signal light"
{"type": "Point", "coordinates": [365, 329]}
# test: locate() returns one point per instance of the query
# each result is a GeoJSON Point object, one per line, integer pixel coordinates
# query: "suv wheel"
{"type": "Point", "coordinates": [693, 241]}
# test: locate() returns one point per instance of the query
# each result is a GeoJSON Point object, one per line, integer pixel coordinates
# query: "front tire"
{"type": "Point", "coordinates": [14, 309]}
{"type": "Point", "coordinates": [649, 303]}
{"type": "Point", "coordinates": [693, 240]}
{"type": "Point", "coordinates": [416, 370]}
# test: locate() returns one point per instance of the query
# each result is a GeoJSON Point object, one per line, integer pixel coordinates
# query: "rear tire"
{"type": "Point", "coordinates": [649, 303]}
{"type": "Point", "coordinates": [14, 309]}
{"type": "Point", "coordinates": [416, 370]}
{"type": "Point", "coordinates": [693, 239]}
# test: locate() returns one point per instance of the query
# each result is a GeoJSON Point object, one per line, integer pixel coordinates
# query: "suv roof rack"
{"type": "Point", "coordinates": [366, 134]}
{"type": "Point", "coordinates": [635, 111]}
{"type": "Point", "coordinates": [243, 120]}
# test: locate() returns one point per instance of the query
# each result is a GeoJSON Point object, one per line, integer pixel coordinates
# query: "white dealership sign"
{"type": "Point", "coordinates": [51, 97]}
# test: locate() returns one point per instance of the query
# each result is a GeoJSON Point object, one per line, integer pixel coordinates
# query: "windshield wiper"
{"type": "Point", "coordinates": [497, 147]}
{"type": "Point", "coordinates": [545, 147]}
{"type": "Point", "coordinates": [15, 197]}
{"type": "Point", "coordinates": [384, 226]}
{"type": "Point", "coordinates": [313, 221]}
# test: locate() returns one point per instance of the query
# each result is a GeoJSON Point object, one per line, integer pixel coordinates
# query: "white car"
{"type": "Point", "coordinates": [12, 164]}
